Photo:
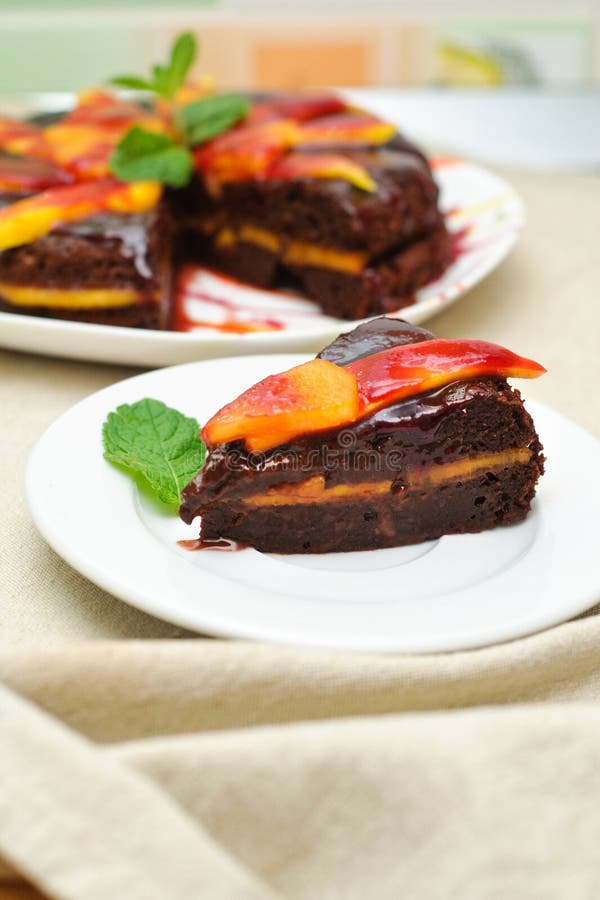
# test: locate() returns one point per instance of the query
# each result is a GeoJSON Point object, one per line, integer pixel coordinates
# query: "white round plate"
{"type": "Point", "coordinates": [481, 209]}
{"type": "Point", "coordinates": [458, 592]}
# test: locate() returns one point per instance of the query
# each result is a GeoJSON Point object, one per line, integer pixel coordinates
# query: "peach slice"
{"type": "Point", "coordinates": [21, 138]}
{"type": "Point", "coordinates": [312, 397]}
{"type": "Point", "coordinates": [31, 218]}
{"type": "Point", "coordinates": [301, 109]}
{"type": "Point", "coordinates": [405, 371]}
{"type": "Point", "coordinates": [84, 139]}
{"type": "Point", "coordinates": [29, 174]}
{"type": "Point", "coordinates": [321, 165]}
{"type": "Point", "coordinates": [246, 151]}
{"type": "Point", "coordinates": [348, 129]}
{"type": "Point", "coordinates": [106, 111]}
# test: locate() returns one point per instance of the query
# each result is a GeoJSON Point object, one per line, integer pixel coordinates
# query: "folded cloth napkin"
{"type": "Point", "coordinates": [187, 769]}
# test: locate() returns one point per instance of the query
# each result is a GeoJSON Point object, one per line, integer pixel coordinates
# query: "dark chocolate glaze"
{"type": "Point", "coordinates": [371, 337]}
{"type": "Point", "coordinates": [130, 232]}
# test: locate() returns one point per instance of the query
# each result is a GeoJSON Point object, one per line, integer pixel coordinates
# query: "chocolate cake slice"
{"type": "Point", "coordinates": [110, 268]}
{"type": "Point", "coordinates": [389, 437]}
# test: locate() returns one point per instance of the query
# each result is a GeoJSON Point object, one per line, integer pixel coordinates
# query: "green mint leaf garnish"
{"type": "Point", "coordinates": [206, 118]}
{"type": "Point", "coordinates": [143, 155]}
{"type": "Point", "coordinates": [182, 59]}
{"type": "Point", "coordinates": [166, 80]}
{"type": "Point", "coordinates": [159, 444]}
{"type": "Point", "coordinates": [160, 81]}
{"type": "Point", "coordinates": [133, 82]}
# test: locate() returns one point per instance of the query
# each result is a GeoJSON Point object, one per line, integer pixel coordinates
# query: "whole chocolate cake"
{"type": "Point", "coordinates": [304, 191]}
{"type": "Point", "coordinates": [389, 437]}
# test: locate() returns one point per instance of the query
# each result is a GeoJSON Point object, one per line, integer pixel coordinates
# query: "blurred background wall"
{"type": "Point", "coordinates": [54, 46]}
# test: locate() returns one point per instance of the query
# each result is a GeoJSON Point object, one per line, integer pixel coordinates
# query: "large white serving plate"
{"type": "Point", "coordinates": [479, 206]}
{"type": "Point", "coordinates": [458, 592]}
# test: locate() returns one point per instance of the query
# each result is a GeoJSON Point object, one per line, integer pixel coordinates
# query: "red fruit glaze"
{"type": "Point", "coordinates": [321, 165]}
{"type": "Point", "coordinates": [348, 129]}
{"type": "Point", "coordinates": [22, 174]}
{"type": "Point", "coordinates": [245, 152]}
{"type": "Point", "coordinates": [301, 109]}
{"type": "Point", "coordinates": [404, 371]}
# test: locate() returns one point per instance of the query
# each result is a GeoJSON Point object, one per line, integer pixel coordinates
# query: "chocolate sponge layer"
{"type": "Point", "coordinates": [404, 517]}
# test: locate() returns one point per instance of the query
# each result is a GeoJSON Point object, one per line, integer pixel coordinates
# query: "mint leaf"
{"type": "Point", "coordinates": [160, 444]}
{"type": "Point", "coordinates": [160, 81]}
{"type": "Point", "coordinates": [143, 155]}
{"type": "Point", "coordinates": [182, 59]}
{"type": "Point", "coordinates": [166, 80]}
{"type": "Point", "coordinates": [133, 82]}
{"type": "Point", "coordinates": [205, 119]}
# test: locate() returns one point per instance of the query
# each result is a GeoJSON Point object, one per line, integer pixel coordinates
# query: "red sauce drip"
{"type": "Point", "coordinates": [231, 323]}
{"type": "Point", "coordinates": [458, 245]}
{"type": "Point", "coordinates": [216, 544]}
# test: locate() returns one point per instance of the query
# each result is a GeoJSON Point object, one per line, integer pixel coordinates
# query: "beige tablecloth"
{"type": "Point", "coordinates": [140, 768]}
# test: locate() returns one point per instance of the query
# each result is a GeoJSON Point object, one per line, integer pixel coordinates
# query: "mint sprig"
{"type": "Point", "coordinates": [206, 118]}
{"type": "Point", "coordinates": [166, 80]}
{"type": "Point", "coordinates": [143, 155]}
{"type": "Point", "coordinates": [156, 443]}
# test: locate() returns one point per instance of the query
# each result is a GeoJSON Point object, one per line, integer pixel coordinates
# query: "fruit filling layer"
{"type": "Point", "coordinates": [314, 489]}
{"type": "Point", "coordinates": [293, 252]}
{"type": "Point", "coordinates": [77, 298]}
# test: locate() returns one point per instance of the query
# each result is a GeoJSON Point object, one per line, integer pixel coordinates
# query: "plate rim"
{"type": "Point", "coordinates": [96, 571]}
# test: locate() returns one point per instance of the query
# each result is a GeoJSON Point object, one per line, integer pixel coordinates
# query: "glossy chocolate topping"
{"type": "Point", "coordinates": [129, 232]}
{"type": "Point", "coordinates": [371, 337]}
